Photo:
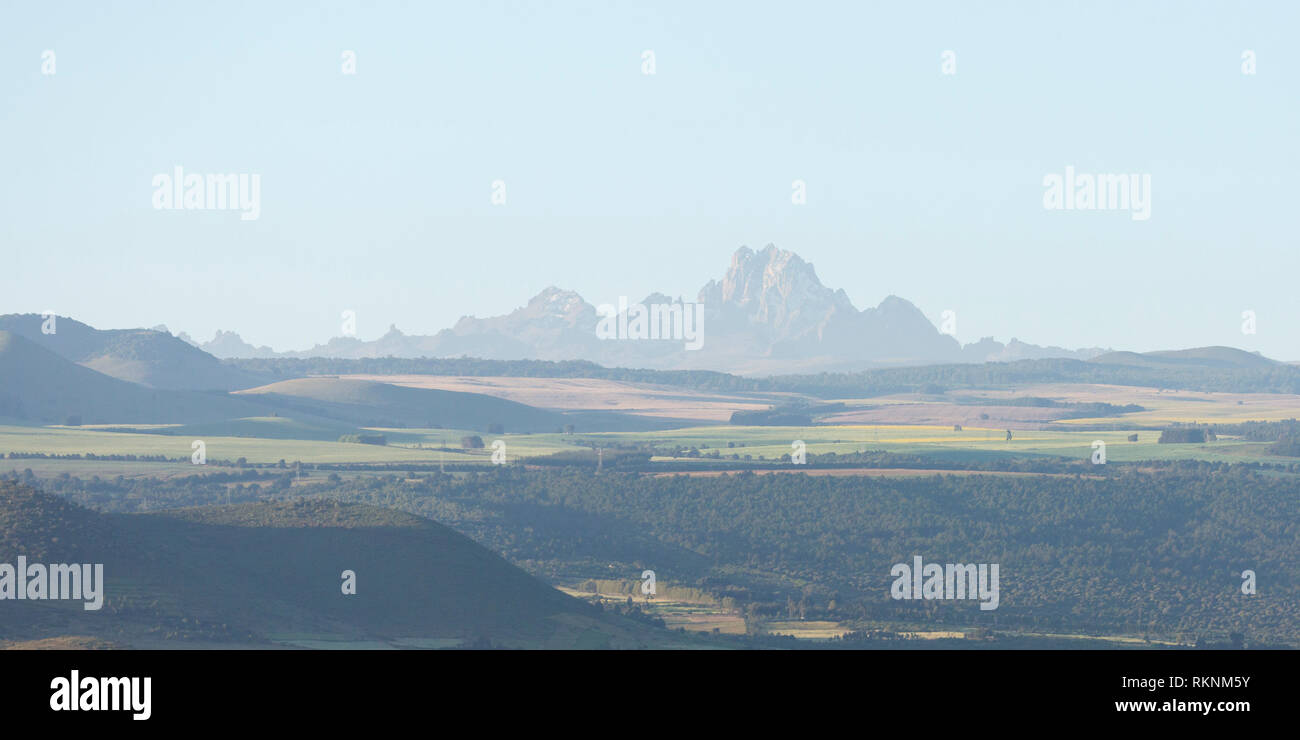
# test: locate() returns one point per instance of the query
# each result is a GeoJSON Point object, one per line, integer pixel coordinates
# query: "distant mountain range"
{"type": "Point", "coordinates": [769, 314]}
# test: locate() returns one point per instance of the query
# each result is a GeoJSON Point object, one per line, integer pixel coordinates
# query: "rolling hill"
{"type": "Point", "coordinates": [147, 357]}
{"type": "Point", "coordinates": [369, 403]}
{"type": "Point", "coordinates": [1222, 358]}
{"type": "Point", "coordinates": [39, 386]}
{"type": "Point", "coordinates": [268, 573]}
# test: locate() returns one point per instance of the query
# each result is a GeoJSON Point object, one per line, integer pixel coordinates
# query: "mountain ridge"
{"type": "Point", "coordinates": [770, 313]}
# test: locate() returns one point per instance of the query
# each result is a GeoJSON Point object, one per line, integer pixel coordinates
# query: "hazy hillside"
{"type": "Point", "coordinates": [380, 404]}
{"type": "Point", "coordinates": [144, 356]}
{"type": "Point", "coordinates": [38, 386]}
{"type": "Point", "coordinates": [1203, 357]}
{"type": "Point", "coordinates": [251, 572]}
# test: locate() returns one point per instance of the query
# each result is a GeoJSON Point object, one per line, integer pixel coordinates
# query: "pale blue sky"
{"type": "Point", "coordinates": [376, 187]}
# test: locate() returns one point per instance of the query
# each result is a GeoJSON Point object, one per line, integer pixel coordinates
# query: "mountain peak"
{"type": "Point", "coordinates": [229, 344]}
{"type": "Point", "coordinates": [894, 304]}
{"type": "Point", "coordinates": [554, 302]}
{"type": "Point", "coordinates": [553, 293]}
{"type": "Point", "coordinates": [776, 288]}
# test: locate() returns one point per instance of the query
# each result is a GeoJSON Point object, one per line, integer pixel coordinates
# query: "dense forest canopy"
{"type": "Point", "coordinates": [1156, 549]}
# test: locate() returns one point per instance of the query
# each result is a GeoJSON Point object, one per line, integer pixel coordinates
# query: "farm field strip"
{"type": "Point", "coordinates": [425, 446]}
{"type": "Point", "coordinates": [868, 473]}
{"type": "Point", "coordinates": [593, 394]}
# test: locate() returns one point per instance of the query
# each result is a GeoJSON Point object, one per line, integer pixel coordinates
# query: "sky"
{"type": "Point", "coordinates": [376, 188]}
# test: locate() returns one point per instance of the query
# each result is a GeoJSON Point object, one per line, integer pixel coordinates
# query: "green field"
{"type": "Point", "coordinates": [69, 440]}
{"type": "Point", "coordinates": [773, 442]}
{"type": "Point", "coordinates": [423, 446]}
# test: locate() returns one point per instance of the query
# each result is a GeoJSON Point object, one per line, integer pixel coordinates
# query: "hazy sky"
{"type": "Point", "coordinates": [376, 187]}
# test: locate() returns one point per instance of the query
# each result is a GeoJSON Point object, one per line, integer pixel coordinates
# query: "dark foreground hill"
{"type": "Point", "coordinates": [271, 573]}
